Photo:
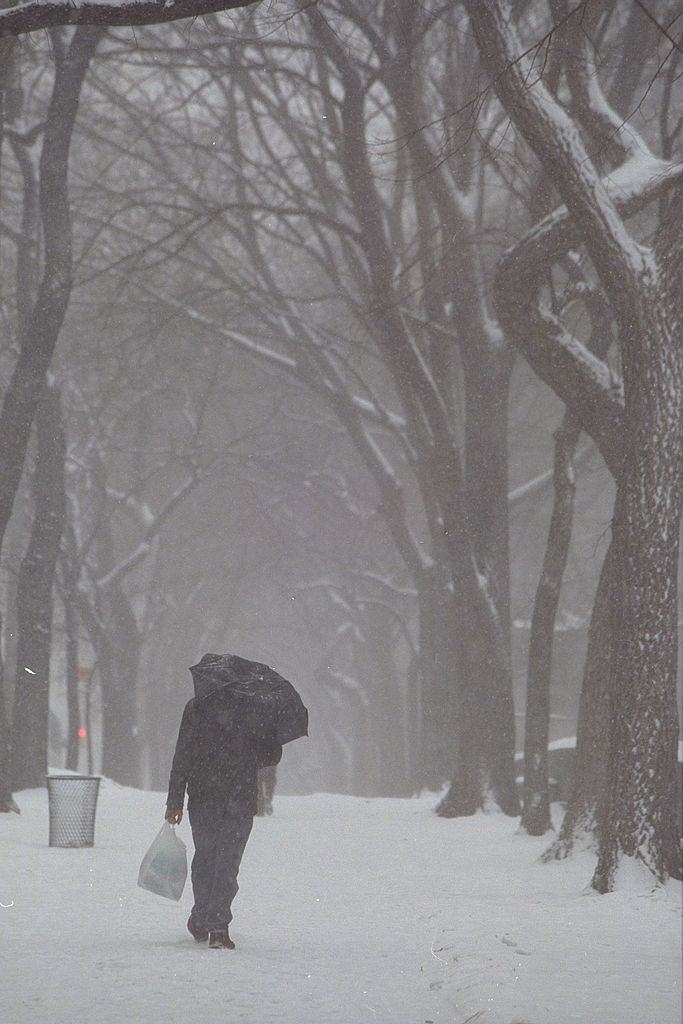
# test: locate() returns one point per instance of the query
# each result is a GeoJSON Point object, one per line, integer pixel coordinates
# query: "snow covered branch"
{"type": "Point", "coordinates": [544, 481]}
{"type": "Point", "coordinates": [582, 380]}
{"type": "Point", "coordinates": [42, 14]}
{"type": "Point", "coordinates": [555, 139]}
{"type": "Point", "coordinates": [154, 524]}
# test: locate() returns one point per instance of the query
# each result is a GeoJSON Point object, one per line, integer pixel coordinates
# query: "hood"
{"type": "Point", "coordinates": [215, 671]}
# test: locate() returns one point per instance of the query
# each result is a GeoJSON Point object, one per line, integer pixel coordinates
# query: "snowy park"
{"type": "Point", "coordinates": [350, 911]}
{"type": "Point", "coordinates": [341, 506]}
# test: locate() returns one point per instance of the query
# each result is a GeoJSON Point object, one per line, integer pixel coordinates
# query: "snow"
{"type": "Point", "coordinates": [350, 911]}
{"type": "Point", "coordinates": [371, 409]}
{"type": "Point", "coordinates": [566, 743]}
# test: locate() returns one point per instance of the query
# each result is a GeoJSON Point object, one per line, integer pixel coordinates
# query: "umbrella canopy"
{"type": "Point", "coordinates": [256, 692]}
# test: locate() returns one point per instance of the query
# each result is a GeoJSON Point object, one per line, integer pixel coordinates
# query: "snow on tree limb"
{"type": "Point", "coordinates": [154, 525]}
{"type": "Point", "coordinates": [41, 14]}
{"type": "Point", "coordinates": [594, 215]}
{"type": "Point", "coordinates": [600, 122]}
{"type": "Point", "coordinates": [369, 407]}
{"type": "Point", "coordinates": [557, 142]}
{"type": "Point", "coordinates": [581, 379]}
{"type": "Point", "coordinates": [541, 483]}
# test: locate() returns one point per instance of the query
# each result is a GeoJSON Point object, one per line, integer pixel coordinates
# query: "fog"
{"type": "Point", "coordinates": [345, 338]}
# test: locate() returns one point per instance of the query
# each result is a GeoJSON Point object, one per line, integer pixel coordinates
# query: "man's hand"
{"type": "Point", "coordinates": [173, 815]}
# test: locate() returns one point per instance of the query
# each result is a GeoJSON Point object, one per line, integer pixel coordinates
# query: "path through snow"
{"type": "Point", "coordinates": [350, 911]}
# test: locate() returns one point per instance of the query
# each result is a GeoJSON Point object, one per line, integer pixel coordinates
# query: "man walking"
{"type": "Point", "coordinates": [221, 745]}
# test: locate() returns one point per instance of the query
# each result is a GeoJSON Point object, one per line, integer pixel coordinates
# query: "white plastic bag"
{"type": "Point", "coordinates": [164, 867]}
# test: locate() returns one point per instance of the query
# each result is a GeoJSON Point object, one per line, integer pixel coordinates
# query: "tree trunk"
{"type": "Point", "coordinates": [8, 646]}
{"type": "Point", "coordinates": [486, 373]}
{"type": "Point", "coordinates": [487, 370]}
{"type": "Point", "coordinates": [484, 727]}
{"type": "Point", "coordinates": [643, 817]}
{"type": "Point", "coordinates": [118, 658]}
{"type": "Point", "coordinates": [536, 812]}
{"type": "Point", "coordinates": [6, 800]}
{"type": "Point", "coordinates": [38, 342]}
{"type": "Point", "coordinates": [440, 662]}
{"type": "Point", "coordinates": [589, 787]}
{"type": "Point", "coordinates": [71, 659]}
{"type": "Point", "coordinates": [155, 715]}
{"type": "Point", "coordinates": [476, 527]}
{"type": "Point", "coordinates": [465, 792]}
{"type": "Point", "coordinates": [34, 599]}
{"type": "Point", "coordinates": [380, 671]}
{"type": "Point", "coordinates": [6, 111]}
{"type": "Point", "coordinates": [6, 48]}
{"type": "Point", "coordinates": [413, 724]}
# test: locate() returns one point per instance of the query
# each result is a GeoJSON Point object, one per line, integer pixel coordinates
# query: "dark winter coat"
{"type": "Point", "coordinates": [217, 756]}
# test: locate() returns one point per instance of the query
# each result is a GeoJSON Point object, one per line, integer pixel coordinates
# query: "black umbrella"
{"type": "Point", "coordinates": [259, 695]}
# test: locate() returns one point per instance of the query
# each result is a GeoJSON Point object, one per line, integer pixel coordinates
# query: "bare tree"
{"type": "Point", "coordinates": [40, 331]}
{"type": "Point", "coordinates": [111, 535]}
{"type": "Point", "coordinates": [639, 434]}
{"type": "Point", "coordinates": [35, 601]}
{"type": "Point", "coordinates": [362, 244]}
{"type": "Point", "coordinates": [40, 312]}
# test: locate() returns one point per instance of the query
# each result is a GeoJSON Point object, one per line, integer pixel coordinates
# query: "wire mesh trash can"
{"type": "Point", "coordinates": [72, 801]}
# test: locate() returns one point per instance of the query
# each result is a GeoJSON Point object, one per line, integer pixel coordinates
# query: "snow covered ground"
{"type": "Point", "coordinates": [350, 911]}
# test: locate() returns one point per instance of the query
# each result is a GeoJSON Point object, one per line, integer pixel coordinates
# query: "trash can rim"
{"type": "Point", "coordinates": [76, 778]}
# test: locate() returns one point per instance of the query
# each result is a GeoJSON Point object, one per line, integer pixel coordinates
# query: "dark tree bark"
{"type": "Point", "coordinates": [34, 599]}
{"type": "Point", "coordinates": [484, 754]}
{"type": "Point", "coordinates": [39, 338]}
{"type": "Point", "coordinates": [118, 658]}
{"type": "Point", "coordinates": [465, 794]}
{"type": "Point", "coordinates": [487, 370]}
{"type": "Point", "coordinates": [581, 823]}
{"type": "Point", "coordinates": [40, 320]}
{"type": "Point", "coordinates": [536, 815]}
{"type": "Point", "coordinates": [6, 61]}
{"type": "Point", "coordinates": [68, 575]}
{"type": "Point", "coordinates": [71, 679]}
{"type": "Point", "coordinates": [7, 802]}
{"type": "Point", "coordinates": [115, 637]}
{"type": "Point", "coordinates": [536, 803]}
{"type": "Point", "coordinates": [376, 669]}
{"type": "Point", "coordinates": [643, 817]}
{"type": "Point", "coordinates": [440, 666]}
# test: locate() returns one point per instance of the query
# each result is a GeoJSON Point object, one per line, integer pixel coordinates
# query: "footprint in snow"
{"type": "Point", "coordinates": [507, 941]}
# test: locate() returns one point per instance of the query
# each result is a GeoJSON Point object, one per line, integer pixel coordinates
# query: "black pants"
{"type": "Point", "coordinates": [219, 841]}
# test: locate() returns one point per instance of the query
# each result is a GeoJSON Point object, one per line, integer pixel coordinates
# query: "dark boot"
{"type": "Point", "coordinates": [220, 940]}
{"type": "Point", "coordinates": [197, 933]}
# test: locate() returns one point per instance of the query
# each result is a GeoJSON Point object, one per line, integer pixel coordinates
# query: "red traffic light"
{"type": "Point", "coordinates": [82, 733]}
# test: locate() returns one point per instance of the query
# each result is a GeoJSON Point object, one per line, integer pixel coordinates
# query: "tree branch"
{"type": "Point", "coordinates": [31, 17]}
{"type": "Point", "coordinates": [581, 379]}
